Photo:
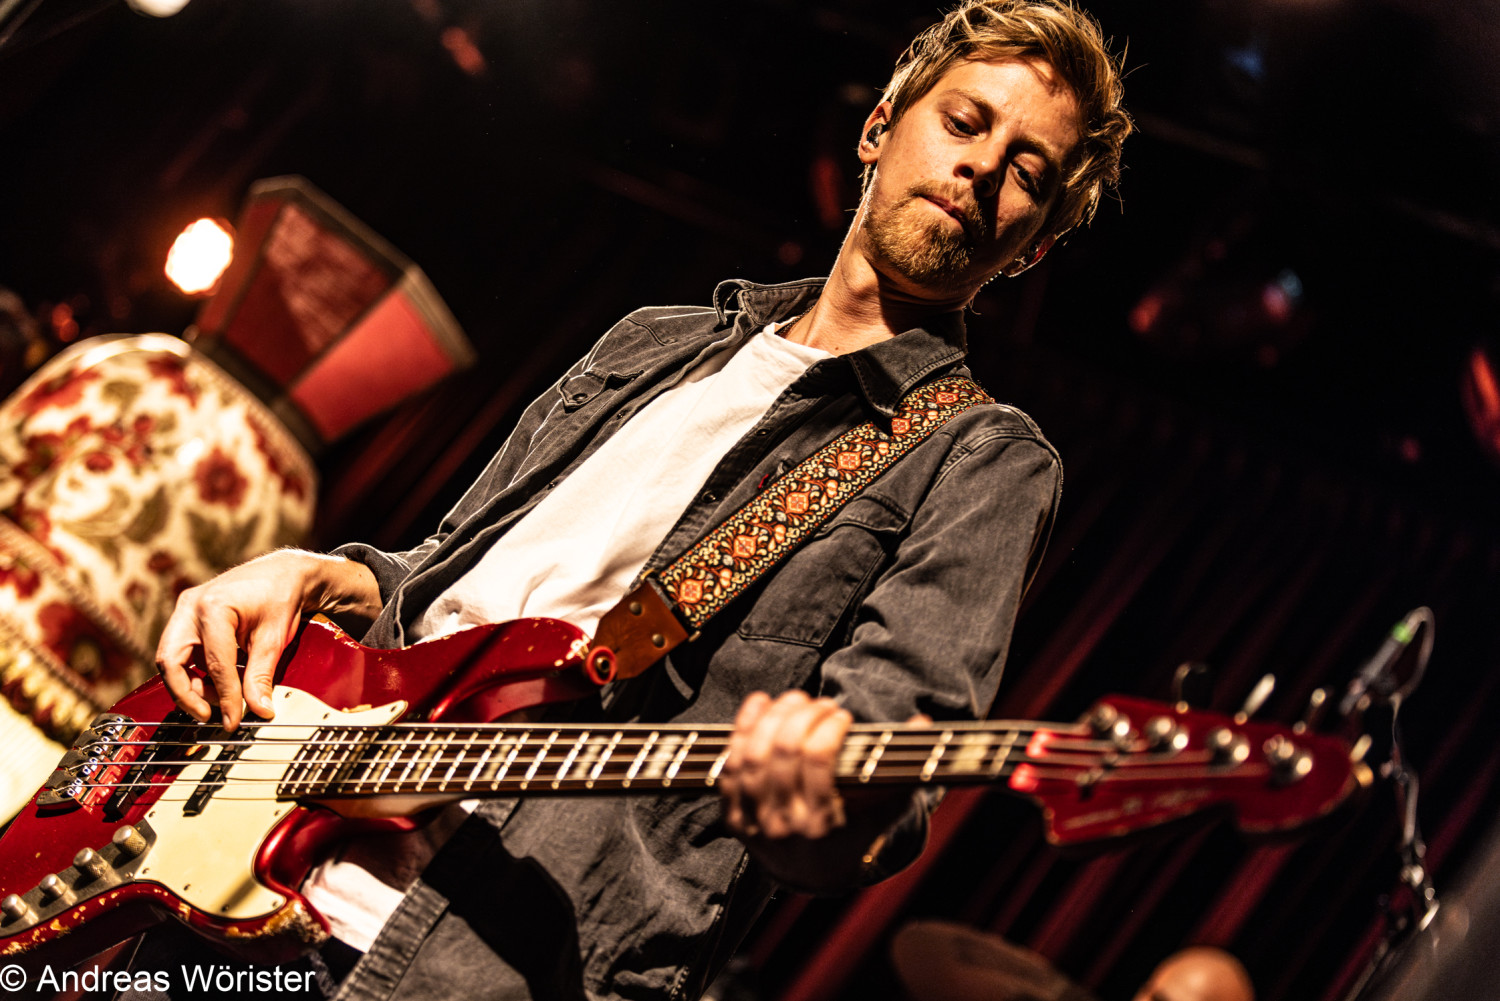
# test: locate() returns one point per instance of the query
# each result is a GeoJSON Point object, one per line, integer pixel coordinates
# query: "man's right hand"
{"type": "Point", "coordinates": [256, 608]}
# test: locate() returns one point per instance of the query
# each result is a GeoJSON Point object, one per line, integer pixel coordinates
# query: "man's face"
{"type": "Point", "coordinates": [964, 180]}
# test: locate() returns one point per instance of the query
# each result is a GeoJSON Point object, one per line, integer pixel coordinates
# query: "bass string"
{"type": "Point", "coordinates": [955, 726]}
{"type": "Point", "coordinates": [895, 776]}
{"type": "Point", "coordinates": [560, 751]}
{"type": "Point", "coordinates": [575, 733]}
{"type": "Point", "coordinates": [1044, 770]}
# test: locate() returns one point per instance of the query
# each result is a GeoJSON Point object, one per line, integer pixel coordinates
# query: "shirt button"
{"type": "Point", "coordinates": [708, 497]}
{"type": "Point", "coordinates": [580, 397]}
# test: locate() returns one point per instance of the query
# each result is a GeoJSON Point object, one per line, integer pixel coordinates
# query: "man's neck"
{"type": "Point", "coordinates": [860, 306]}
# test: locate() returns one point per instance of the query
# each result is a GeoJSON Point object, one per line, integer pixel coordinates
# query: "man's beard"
{"type": "Point", "coordinates": [925, 252]}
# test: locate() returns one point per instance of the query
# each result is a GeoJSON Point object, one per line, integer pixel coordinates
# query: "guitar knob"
{"type": "Point", "coordinates": [52, 887]}
{"type": "Point", "coordinates": [130, 841]}
{"type": "Point", "coordinates": [1121, 734]}
{"type": "Point", "coordinates": [91, 864]}
{"type": "Point", "coordinates": [14, 908]}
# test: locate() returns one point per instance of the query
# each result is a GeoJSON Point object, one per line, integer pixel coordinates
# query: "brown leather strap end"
{"type": "Point", "coordinates": [641, 629]}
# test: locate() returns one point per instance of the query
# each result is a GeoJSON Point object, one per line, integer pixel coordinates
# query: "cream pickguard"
{"type": "Point", "coordinates": [208, 859]}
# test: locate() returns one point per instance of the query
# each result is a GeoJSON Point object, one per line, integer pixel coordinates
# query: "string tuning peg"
{"type": "Point", "coordinates": [1317, 704]}
{"type": "Point", "coordinates": [1257, 697]}
{"type": "Point", "coordinates": [1192, 675]}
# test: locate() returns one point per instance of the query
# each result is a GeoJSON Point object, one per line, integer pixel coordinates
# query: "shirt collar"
{"type": "Point", "coordinates": [885, 371]}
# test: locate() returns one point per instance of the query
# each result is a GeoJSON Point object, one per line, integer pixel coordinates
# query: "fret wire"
{"type": "Point", "coordinates": [604, 759]}
{"type": "Point", "coordinates": [874, 757]}
{"type": "Point", "coordinates": [937, 753]}
{"type": "Point", "coordinates": [330, 763]}
{"type": "Point", "coordinates": [469, 783]}
{"type": "Point", "coordinates": [390, 762]}
{"type": "Point", "coordinates": [640, 759]}
{"type": "Point", "coordinates": [333, 763]}
{"type": "Point", "coordinates": [1002, 754]}
{"type": "Point", "coordinates": [372, 763]}
{"type": "Point", "coordinates": [718, 766]}
{"type": "Point", "coordinates": [432, 762]}
{"type": "Point", "coordinates": [568, 761]}
{"type": "Point", "coordinates": [416, 757]}
{"type": "Point", "coordinates": [292, 770]}
{"type": "Point", "coordinates": [510, 759]}
{"type": "Point", "coordinates": [677, 762]}
{"type": "Point", "coordinates": [351, 763]}
{"type": "Point", "coordinates": [453, 768]}
{"type": "Point", "coordinates": [537, 761]}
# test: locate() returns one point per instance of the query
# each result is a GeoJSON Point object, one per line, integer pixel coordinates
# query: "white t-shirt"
{"type": "Point", "coordinates": [574, 555]}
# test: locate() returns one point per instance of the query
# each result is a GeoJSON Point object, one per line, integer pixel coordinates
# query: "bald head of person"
{"type": "Point", "coordinates": [1198, 974]}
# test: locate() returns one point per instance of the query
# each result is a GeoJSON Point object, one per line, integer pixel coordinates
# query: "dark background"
{"type": "Point", "coordinates": [1251, 364]}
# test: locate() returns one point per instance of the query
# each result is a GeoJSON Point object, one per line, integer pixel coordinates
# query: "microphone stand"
{"type": "Point", "coordinates": [1410, 912]}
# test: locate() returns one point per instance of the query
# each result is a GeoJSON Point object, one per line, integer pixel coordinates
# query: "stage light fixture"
{"type": "Point", "coordinates": [199, 255]}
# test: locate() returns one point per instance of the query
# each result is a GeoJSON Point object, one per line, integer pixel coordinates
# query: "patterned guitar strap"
{"type": "Point", "coordinates": [670, 606]}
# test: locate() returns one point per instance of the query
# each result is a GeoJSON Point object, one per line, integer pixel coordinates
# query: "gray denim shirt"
{"type": "Point", "coordinates": [902, 603]}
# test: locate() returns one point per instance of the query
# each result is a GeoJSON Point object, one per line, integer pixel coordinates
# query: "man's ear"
{"type": "Point", "coordinates": [875, 128]}
{"type": "Point", "coordinates": [1030, 258]}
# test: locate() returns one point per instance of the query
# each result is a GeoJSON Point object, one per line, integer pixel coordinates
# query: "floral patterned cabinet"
{"type": "Point", "coordinates": [131, 467]}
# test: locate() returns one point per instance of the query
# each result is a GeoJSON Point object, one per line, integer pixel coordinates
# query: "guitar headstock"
{"type": "Point", "coordinates": [1133, 764]}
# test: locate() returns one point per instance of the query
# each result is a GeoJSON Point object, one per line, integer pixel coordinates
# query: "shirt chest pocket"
{"type": "Point", "coordinates": [805, 598]}
{"type": "Point", "coordinates": [579, 390]}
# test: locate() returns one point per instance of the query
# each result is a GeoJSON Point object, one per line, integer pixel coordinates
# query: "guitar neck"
{"type": "Point", "coordinates": [502, 759]}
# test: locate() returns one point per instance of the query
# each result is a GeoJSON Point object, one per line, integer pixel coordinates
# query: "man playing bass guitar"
{"type": "Point", "coordinates": [996, 135]}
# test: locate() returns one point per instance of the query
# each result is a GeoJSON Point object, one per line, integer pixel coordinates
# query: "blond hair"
{"type": "Point", "coordinates": [1067, 39]}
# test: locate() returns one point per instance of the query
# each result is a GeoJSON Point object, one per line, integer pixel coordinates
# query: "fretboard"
{"type": "Point", "coordinates": [506, 759]}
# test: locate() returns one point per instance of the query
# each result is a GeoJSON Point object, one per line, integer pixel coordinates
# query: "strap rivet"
{"type": "Point", "coordinates": [635, 608]}
{"type": "Point", "coordinates": [658, 640]}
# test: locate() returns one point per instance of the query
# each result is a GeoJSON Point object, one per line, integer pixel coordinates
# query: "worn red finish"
{"type": "Point", "coordinates": [479, 674]}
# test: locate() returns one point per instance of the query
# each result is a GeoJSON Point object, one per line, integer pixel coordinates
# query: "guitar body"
{"type": "Point", "coordinates": [226, 858]}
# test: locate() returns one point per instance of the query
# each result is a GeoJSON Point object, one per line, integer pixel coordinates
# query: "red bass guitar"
{"type": "Point", "coordinates": [153, 815]}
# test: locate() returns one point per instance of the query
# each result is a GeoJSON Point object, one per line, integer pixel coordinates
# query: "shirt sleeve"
{"type": "Point", "coordinates": [932, 634]}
